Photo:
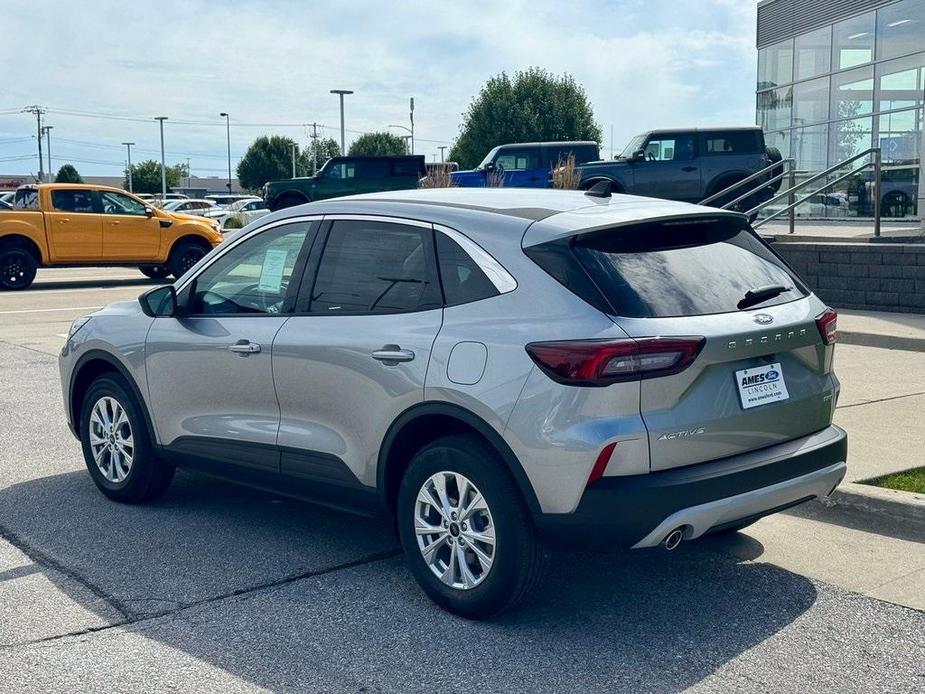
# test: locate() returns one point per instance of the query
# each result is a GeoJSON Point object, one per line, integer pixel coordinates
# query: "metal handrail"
{"type": "Point", "coordinates": [745, 180]}
{"type": "Point", "coordinates": [876, 162]}
{"type": "Point", "coordinates": [803, 199]}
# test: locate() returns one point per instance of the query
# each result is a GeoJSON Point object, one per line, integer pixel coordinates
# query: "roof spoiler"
{"type": "Point", "coordinates": [601, 189]}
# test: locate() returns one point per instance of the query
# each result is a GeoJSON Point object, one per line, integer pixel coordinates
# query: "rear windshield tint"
{"type": "Point", "coordinates": [686, 270]}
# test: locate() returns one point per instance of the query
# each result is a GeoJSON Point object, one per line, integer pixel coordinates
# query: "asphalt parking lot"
{"type": "Point", "coordinates": [219, 588]}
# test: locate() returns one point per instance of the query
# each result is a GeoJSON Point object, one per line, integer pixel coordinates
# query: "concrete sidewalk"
{"type": "Point", "coordinates": [846, 230]}
{"type": "Point", "coordinates": [904, 331]}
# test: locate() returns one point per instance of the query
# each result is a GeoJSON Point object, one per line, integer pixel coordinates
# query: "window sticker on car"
{"type": "Point", "coordinates": [271, 276]}
{"type": "Point", "coordinates": [761, 385]}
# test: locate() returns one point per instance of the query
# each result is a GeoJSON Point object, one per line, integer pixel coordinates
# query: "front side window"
{"type": "Point", "coordinates": [518, 160]}
{"type": "Point", "coordinates": [117, 203]}
{"type": "Point", "coordinates": [371, 267]}
{"type": "Point", "coordinates": [253, 277]}
{"type": "Point", "coordinates": [343, 170]}
{"type": "Point", "coordinates": [73, 200]}
{"type": "Point", "coordinates": [670, 148]}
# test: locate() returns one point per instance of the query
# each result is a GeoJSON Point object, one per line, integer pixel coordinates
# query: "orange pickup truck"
{"type": "Point", "coordinates": [58, 224]}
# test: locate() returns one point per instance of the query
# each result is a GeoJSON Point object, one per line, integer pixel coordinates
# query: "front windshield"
{"type": "Point", "coordinates": [634, 146]}
{"type": "Point", "coordinates": [488, 158]}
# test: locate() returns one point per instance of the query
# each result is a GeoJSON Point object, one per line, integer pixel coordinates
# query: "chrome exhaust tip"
{"type": "Point", "coordinates": [673, 539]}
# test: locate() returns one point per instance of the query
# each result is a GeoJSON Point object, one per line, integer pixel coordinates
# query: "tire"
{"type": "Point", "coordinates": [17, 268]}
{"type": "Point", "coordinates": [517, 559]}
{"type": "Point", "coordinates": [184, 255]}
{"type": "Point", "coordinates": [155, 272]}
{"type": "Point", "coordinates": [130, 472]}
{"type": "Point", "coordinates": [288, 200]}
{"type": "Point", "coordinates": [895, 204]}
{"type": "Point", "coordinates": [775, 157]}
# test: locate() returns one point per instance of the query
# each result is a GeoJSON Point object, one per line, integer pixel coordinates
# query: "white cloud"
{"type": "Point", "coordinates": [644, 64]}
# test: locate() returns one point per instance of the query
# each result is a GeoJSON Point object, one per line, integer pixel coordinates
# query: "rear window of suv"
{"type": "Point", "coordinates": [685, 270]}
{"type": "Point", "coordinates": [732, 142]}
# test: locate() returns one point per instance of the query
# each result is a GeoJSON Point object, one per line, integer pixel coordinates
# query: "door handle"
{"type": "Point", "coordinates": [244, 347]}
{"type": "Point", "coordinates": [115, 222]}
{"type": "Point", "coordinates": [64, 220]}
{"type": "Point", "coordinates": [688, 168]}
{"type": "Point", "coordinates": [392, 354]}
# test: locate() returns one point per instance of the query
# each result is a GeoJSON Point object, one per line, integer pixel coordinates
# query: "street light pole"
{"type": "Point", "coordinates": [160, 120]}
{"type": "Point", "coordinates": [293, 146]}
{"type": "Point", "coordinates": [128, 147]}
{"type": "Point", "coordinates": [228, 134]}
{"type": "Point", "coordinates": [340, 93]}
{"type": "Point", "coordinates": [47, 130]}
{"type": "Point", "coordinates": [411, 116]}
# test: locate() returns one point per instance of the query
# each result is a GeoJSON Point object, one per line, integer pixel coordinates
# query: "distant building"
{"type": "Point", "coordinates": [194, 186]}
{"type": "Point", "coordinates": [836, 77]}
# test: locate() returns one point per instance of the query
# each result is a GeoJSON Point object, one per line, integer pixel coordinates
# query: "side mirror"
{"type": "Point", "coordinates": [490, 166]}
{"type": "Point", "coordinates": [160, 302]}
{"type": "Point", "coordinates": [639, 155]}
{"type": "Point", "coordinates": [149, 211]}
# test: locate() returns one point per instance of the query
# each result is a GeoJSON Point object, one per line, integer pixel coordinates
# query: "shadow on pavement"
{"type": "Point", "coordinates": [644, 620]}
{"type": "Point", "coordinates": [93, 283]}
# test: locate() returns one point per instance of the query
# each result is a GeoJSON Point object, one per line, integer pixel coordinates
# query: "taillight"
{"type": "Point", "coordinates": [602, 362]}
{"type": "Point", "coordinates": [828, 324]}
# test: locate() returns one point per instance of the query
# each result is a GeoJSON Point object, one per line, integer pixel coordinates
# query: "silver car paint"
{"type": "Point", "coordinates": [555, 431]}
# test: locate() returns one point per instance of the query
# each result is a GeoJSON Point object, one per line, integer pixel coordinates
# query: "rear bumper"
{"type": "Point", "coordinates": [640, 510]}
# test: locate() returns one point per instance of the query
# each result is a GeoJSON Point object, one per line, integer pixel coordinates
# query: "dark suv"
{"type": "Point", "coordinates": [346, 176]}
{"type": "Point", "coordinates": [687, 165]}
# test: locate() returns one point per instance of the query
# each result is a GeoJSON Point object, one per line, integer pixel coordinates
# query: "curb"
{"type": "Point", "coordinates": [897, 506]}
{"type": "Point", "coordinates": [909, 344]}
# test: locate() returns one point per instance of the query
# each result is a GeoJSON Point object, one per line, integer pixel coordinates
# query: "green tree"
{"type": "Point", "coordinates": [533, 106]}
{"type": "Point", "coordinates": [269, 158]}
{"type": "Point", "coordinates": [324, 148]}
{"type": "Point", "coordinates": [68, 174]}
{"type": "Point", "coordinates": [146, 176]}
{"type": "Point", "coordinates": [378, 144]}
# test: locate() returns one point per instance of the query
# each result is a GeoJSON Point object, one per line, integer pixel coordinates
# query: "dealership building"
{"type": "Point", "coordinates": [836, 77]}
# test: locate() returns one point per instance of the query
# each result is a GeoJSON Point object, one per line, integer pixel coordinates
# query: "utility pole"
{"type": "Point", "coordinates": [128, 147]}
{"type": "Point", "coordinates": [293, 146]}
{"type": "Point", "coordinates": [188, 172]}
{"type": "Point", "coordinates": [341, 92]}
{"type": "Point", "coordinates": [441, 148]}
{"type": "Point", "coordinates": [228, 137]}
{"type": "Point", "coordinates": [411, 116]}
{"type": "Point", "coordinates": [38, 111]}
{"type": "Point", "coordinates": [611, 140]}
{"type": "Point", "coordinates": [47, 130]}
{"type": "Point", "coordinates": [315, 148]}
{"type": "Point", "coordinates": [161, 119]}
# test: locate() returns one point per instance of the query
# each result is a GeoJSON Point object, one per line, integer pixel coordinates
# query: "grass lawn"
{"type": "Point", "coordinates": [907, 481]}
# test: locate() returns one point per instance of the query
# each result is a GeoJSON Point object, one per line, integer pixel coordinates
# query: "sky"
{"type": "Point", "coordinates": [105, 69]}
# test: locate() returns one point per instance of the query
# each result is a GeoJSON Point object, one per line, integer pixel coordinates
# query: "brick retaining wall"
{"type": "Point", "coordinates": [866, 276]}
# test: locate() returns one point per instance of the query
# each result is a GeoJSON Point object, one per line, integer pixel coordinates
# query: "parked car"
{"type": "Point", "coordinates": [524, 164]}
{"type": "Point", "coordinates": [224, 199]}
{"type": "Point", "coordinates": [8, 197]}
{"type": "Point", "coordinates": [4, 205]}
{"type": "Point", "coordinates": [161, 200]}
{"type": "Point", "coordinates": [65, 224]}
{"type": "Point", "coordinates": [346, 176]}
{"type": "Point", "coordinates": [482, 367]}
{"type": "Point", "coordinates": [688, 165]}
{"type": "Point", "coordinates": [243, 212]}
{"type": "Point", "coordinates": [198, 207]}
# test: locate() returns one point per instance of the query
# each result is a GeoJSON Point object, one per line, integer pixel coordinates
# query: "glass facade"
{"type": "Point", "coordinates": [831, 93]}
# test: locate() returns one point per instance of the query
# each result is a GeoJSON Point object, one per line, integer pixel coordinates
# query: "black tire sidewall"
{"type": "Point", "coordinates": [29, 264]}
{"type": "Point", "coordinates": [513, 533]}
{"type": "Point", "coordinates": [176, 257]}
{"type": "Point", "coordinates": [135, 486]}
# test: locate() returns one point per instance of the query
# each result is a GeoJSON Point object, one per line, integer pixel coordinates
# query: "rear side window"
{"type": "Point", "coordinates": [376, 267]}
{"type": "Point", "coordinates": [463, 280]}
{"type": "Point", "coordinates": [72, 200]}
{"type": "Point", "coordinates": [26, 199]}
{"type": "Point", "coordinates": [733, 142]}
{"type": "Point", "coordinates": [372, 168]}
{"type": "Point", "coordinates": [685, 270]}
{"type": "Point", "coordinates": [518, 159]}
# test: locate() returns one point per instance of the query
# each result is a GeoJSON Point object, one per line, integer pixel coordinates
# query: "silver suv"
{"type": "Point", "coordinates": [493, 369]}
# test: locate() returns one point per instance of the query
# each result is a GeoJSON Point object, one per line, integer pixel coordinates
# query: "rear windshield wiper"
{"type": "Point", "coordinates": [756, 296]}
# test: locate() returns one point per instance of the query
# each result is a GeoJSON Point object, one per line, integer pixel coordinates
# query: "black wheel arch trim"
{"type": "Point", "coordinates": [119, 367]}
{"type": "Point", "coordinates": [469, 419]}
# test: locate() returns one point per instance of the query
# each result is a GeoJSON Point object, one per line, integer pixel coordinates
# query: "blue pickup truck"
{"type": "Point", "coordinates": [524, 164]}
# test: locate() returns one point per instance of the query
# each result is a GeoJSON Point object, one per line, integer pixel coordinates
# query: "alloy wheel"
{"type": "Point", "coordinates": [13, 271]}
{"type": "Point", "coordinates": [190, 258]}
{"type": "Point", "coordinates": [455, 530]}
{"type": "Point", "coordinates": [111, 441]}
